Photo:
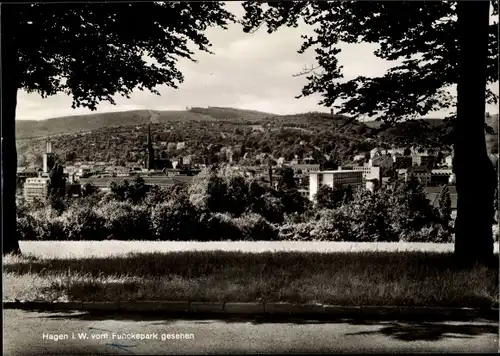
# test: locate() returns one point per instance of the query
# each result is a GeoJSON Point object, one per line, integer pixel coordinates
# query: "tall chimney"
{"type": "Point", "coordinates": [49, 147]}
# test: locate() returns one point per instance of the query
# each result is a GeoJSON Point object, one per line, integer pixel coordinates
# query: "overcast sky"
{"type": "Point", "coordinates": [248, 71]}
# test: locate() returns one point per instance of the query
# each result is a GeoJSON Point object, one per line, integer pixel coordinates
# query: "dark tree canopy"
{"type": "Point", "coordinates": [92, 52]}
{"type": "Point", "coordinates": [437, 45]}
{"type": "Point", "coordinates": [421, 34]}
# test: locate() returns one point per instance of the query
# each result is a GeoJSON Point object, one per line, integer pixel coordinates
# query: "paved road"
{"type": "Point", "coordinates": [23, 335]}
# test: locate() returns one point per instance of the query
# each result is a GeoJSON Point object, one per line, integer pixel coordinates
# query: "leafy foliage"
{"type": "Point", "coordinates": [90, 50]}
{"type": "Point", "coordinates": [135, 192]}
{"type": "Point", "coordinates": [445, 204]}
{"type": "Point", "coordinates": [238, 209]}
{"type": "Point", "coordinates": [174, 219]}
{"type": "Point", "coordinates": [423, 39]}
{"type": "Point", "coordinates": [332, 198]}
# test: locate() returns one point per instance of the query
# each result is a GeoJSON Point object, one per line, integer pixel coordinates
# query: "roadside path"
{"type": "Point", "coordinates": [23, 335]}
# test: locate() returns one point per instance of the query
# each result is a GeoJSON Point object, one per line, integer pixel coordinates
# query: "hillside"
{"type": "Point", "coordinates": [281, 136]}
{"type": "Point", "coordinates": [120, 136]}
{"type": "Point", "coordinates": [80, 123]}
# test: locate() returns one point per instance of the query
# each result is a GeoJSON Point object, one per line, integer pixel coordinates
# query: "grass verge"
{"type": "Point", "coordinates": [361, 278]}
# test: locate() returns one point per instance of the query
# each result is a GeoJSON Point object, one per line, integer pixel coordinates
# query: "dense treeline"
{"type": "Point", "coordinates": [223, 205]}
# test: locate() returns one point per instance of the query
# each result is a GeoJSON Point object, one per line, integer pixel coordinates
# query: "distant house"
{"type": "Point", "coordinates": [424, 160]}
{"type": "Point", "coordinates": [358, 158]}
{"type": "Point", "coordinates": [422, 173]}
{"type": "Point", "coordinates": [397, 151]}
{"type": "Point", "coordinates": [442, 176]}
{"type": "Point", "coordinates": [402, 161]}
{"type": "Point", "coordinates": [381, 161]}
{"type": "Point", "coordinates": [432, 193]}
{"type": "Point", "coordinates": [304, 192]}
{"type": "Point", "coordinates": [104, 183]}
{"type": "Point", "coordinates": [172, 172]}
{"type": "Point", "coordinates": [305, 168]}
{"type": "Point", "coordinates": [26, 172]}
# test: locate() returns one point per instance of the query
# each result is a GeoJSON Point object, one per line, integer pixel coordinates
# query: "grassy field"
{"type": "Point", "coordinates": [83, 249]}
{"type": "Point", "coordinates": [361, 278]}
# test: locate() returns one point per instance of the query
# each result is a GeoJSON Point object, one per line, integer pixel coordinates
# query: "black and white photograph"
{"type": "Point", "coordinates": [249, 177]}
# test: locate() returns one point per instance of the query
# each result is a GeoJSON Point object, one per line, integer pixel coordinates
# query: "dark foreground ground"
{"type": "Point", "coordinates": [339, 278]}
{"type": "Point", "coordinates": [93, 335]}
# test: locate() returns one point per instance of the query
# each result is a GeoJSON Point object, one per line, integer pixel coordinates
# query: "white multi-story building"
{"type": "Point", "coordinates": [369, 172]}
{"type": "Point", "coordinates": [36, 188]}
{"type": "Point", "coordinates": [334, 179]}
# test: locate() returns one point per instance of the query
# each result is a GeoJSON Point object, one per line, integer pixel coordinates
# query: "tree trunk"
{"type": "Point", "coordinates": [10, 84]}
{"type": "Point", "coordinates": [473, 168]}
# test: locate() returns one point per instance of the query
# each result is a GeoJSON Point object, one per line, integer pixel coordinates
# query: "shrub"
{"type": "Point", "coordinates": [432, 233]}
{"type": "Point", "coordinates": [269, 207]}
{"type": "Point", "coordinates": [255, 227]}
{"type": "Point", "coordinates": [367, 216]}
{"type": "Point", "coordinates": [89, 189]}
{"type": "Point", "coordinates": [296, 231]}
{"type": "Point", "coordinates": [294, 202]}
{"type": "Point", "coordinates": [84, 223]}
{"type": "Point", "coordinates": [46, 224]}
{"type": "Point", "coordinates": [26, 227]}
{"type": "Point", "coordinates": [219, 227]}
{"type": "Point", "coordinates": [332, 225]}
{"type": "Point", "coordinates": [175, 220]}
{"type": "Point", "coordinates": [125, 221]}
{"type": "Point", "coordinates": [157, 195]}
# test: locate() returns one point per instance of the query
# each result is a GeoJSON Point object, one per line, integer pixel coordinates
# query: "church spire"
{"type": "Point", "coordinates": [150, 162]}
{"type": "Point", "coordinates": [149, 135]}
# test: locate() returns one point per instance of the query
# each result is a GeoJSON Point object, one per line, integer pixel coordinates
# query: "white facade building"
{"type": "Point", "coordinates": [334, 179]}
{"type": "Point", "coordinates": [36, 188]}
{"type": "Point", "coordinates": [369, 172]}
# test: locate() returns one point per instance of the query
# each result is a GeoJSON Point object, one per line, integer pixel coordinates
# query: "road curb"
{"type": "Point", "coordinates": [244, 308]}
{"type": "Point", "coordinates": [289, 309]}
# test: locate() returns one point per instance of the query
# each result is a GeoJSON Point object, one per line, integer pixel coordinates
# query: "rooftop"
{"type": "Point", "coordinates": [419, 169]}
{"type": "Point", "coordinates": [162, 180]}
{"type": "Point", "coordinates": [338, 171]}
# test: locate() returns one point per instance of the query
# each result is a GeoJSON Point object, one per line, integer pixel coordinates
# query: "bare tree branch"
{"type": "Point", "coordinates": [306, 71]}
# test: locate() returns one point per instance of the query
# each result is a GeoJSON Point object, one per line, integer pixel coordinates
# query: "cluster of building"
{"type": "Point", "coordinates": [155, 171]}
{"type": "Point", "coordinates": [365, 171]}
